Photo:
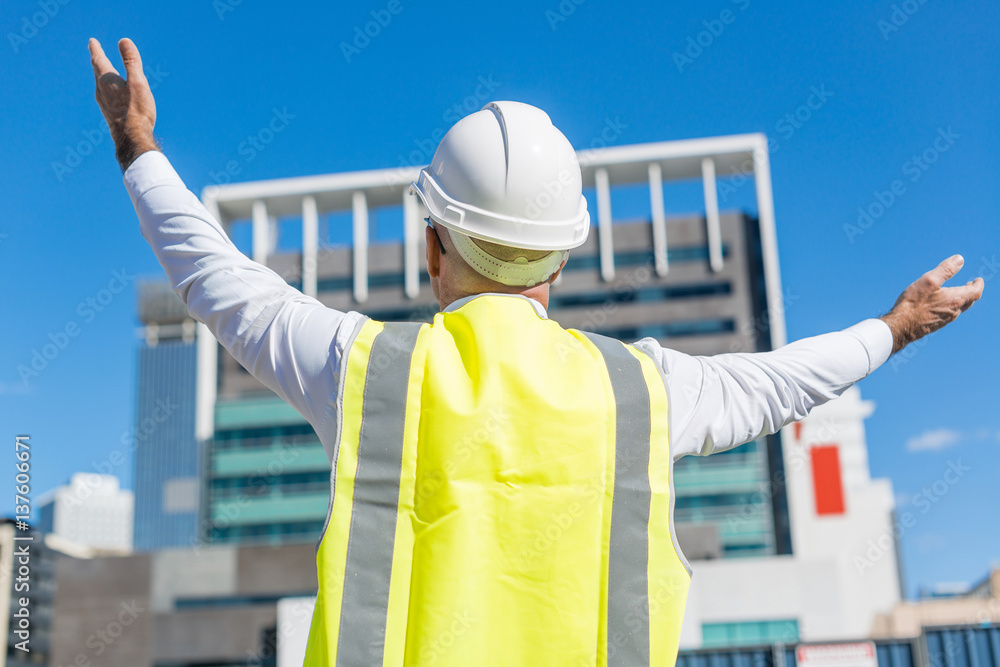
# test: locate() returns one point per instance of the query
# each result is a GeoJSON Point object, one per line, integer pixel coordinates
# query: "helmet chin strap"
{"type": "Point", "coordinates": [519, 273]}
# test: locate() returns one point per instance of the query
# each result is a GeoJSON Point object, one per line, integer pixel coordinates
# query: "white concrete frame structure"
{"type": "Point", "coordinates": [263, 202]}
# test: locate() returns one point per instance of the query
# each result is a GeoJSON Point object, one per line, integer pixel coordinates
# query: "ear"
{"type": "Point", "coordinates": [555, 275]}
{"type": "Point", "coordinates": [433, 253]}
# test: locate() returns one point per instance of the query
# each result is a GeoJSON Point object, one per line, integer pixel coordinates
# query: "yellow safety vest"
{"type": "Point", "coordinates": [501, 496]}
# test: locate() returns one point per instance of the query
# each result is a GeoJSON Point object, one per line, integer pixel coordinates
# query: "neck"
{"type": "Point", "coordinates": [539, 293]}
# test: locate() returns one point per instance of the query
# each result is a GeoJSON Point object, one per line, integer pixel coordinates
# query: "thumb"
{"type": "Point", "coordinates": [132, 61]}
{"type": "Point", "coordinates": [945, 270]}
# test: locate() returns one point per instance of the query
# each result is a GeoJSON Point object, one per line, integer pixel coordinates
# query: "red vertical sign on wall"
{"type": "Point", "coordinates": [827, 485]}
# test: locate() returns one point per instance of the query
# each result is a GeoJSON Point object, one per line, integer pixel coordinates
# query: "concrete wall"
{"type": "Point", "coordinates": [180, 605]}
{"type": "Point", "coordinates": [102, 612]}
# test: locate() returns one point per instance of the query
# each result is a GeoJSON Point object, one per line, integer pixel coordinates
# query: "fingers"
{"type": "Point", "coordinates": [99, 61]}
{"type": "Point", "coordinates": [945, 270]}
{"type": "Point", "coordinates": [963, 296]}
{"type": "Point", "coordinates": [133, 63]}
{"type": "Point", "coordinates": [972, 291]}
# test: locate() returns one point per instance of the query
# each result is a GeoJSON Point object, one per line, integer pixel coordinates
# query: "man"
{"type": "Point", "coordinates": [453, 445]}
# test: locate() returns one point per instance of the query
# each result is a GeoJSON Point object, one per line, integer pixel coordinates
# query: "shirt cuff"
{"type": "Point", "coordinates": [876, 336]}
{"type": "Point", "coordinates": [147, 171]}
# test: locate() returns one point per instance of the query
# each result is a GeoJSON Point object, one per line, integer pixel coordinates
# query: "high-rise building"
{"type": "Point", "coordinates": [91, 511]}
{"type": "Point", "coordinates": [166, 453]}
{"type": "Point", "coordinates": [702, 284]}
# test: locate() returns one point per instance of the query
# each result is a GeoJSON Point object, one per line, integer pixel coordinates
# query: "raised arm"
{"type": "Point", "coordinates": [719, 402]}
{"type": "Point", "coordinates": [285, 339]}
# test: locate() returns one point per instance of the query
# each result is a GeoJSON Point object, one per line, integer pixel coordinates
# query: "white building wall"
{"type": "Point", "coordinates": [294, 620]}
{"type": "Point", "coordinates": [93, 511]}
{"type": "Point", "coordinates": [834, 583]}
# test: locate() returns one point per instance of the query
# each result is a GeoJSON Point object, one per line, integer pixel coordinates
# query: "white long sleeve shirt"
{"type": "Point", "coordinates": [294, 344]}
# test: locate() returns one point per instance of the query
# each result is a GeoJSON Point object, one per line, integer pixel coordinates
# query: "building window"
{"type": "Point", "coordinates": [749, 633]}
{"type": "Point", "coordinates": [673, 329]}
{"type": "Point", "coordinates": [643, 294]}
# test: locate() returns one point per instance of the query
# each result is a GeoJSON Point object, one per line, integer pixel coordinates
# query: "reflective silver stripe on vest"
{"type": "Point", "coordinates": [365, 603]}
{"type": "Point", "coordinates": [628, 562]}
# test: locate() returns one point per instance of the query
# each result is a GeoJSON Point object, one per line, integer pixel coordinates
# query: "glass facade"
{"type": "Point", "coordinates": [749, 633]}
{"type": "Point", "coordinates": [728, 491]}
{"type": "Point", "coordinates": [166, 451]}
{"type": "Point", "coordinates": [268, 475]}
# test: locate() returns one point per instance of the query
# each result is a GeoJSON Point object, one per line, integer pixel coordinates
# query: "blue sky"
{"type": "Point", "coordinates": [885, 80]}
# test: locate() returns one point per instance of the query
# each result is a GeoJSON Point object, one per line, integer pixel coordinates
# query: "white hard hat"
{"type": "Point", "coordinates": [505, 174]}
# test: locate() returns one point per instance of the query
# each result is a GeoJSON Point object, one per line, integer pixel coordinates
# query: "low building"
{"type": "Point", "coordinates": [979, 605]}
{"type": "Point", "coordinates": [213, 605]}
{"type": "Point", "coordinates": [27, 591]}
{"type": "Point", "coordinates": [91, 511]}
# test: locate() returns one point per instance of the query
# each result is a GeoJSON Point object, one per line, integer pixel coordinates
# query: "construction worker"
{"type": "Point", "coordinates": [457, 446]}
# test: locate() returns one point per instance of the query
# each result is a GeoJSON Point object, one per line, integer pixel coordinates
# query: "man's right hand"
{"type": "Point", "coordinates": [128, 106]}
{"type": "Point", "coordinates": [926, 305]}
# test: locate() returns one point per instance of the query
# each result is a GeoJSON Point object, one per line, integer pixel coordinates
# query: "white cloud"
{"type": "Point", "coordinates": [933, 440]}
